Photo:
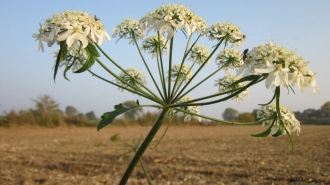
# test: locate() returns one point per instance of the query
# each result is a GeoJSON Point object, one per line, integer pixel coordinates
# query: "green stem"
{"type": "Point", "coordinates": [152, 77]}
{"type": "Point", "coordinates": [124, 71]}
{"type": "Point", "coordinates": [189, 103]}
{"type": "Point", "coordinates": [144, 145]}
{"type": "Point", "coordinates": [153, 98]}
{"type": "Point", "coordinates": [208, 58]}
{"type": "Point", "coordinates": [145, 172]}
{"type": "Point", "coordinates": [162, 66]}
{"type": "Point", "coordinates": [175, 90]}
{"type": "Point", "coordinates": [170, 71]}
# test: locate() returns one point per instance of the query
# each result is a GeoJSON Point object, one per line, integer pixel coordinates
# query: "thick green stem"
{"type": "Point", "coordinates": [144, 146]}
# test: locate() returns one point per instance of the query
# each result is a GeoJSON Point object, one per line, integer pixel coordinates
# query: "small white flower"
{"type": "Point", "coordinates": [184, 74]}
{"type": "Point", "coordinates": [134, 78]}
{"type": "Point", "coordinates": [226, 84]}
{"type": "Point", "coordinates": [152, 43]}
{"type": "Point", "coordinates": [230, 59]}
{"type": "Point", "coordinates": [169, 18]}
{"type": "Point", "coordinates": [199, 53]}
{"type": "Point", "coordinates": [41, 37]}
{"type": "Point", "coordinates": [193, 109]}
{"type": "Point", "coordinates": [269, 111]}
{"type": "Point", "coordinates": [125, 29]}
{"type": "Point", "coordinates": [227, 31]}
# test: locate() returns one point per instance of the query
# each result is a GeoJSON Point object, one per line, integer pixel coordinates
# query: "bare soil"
{"type": "Point", "coordinates": [186, 155]}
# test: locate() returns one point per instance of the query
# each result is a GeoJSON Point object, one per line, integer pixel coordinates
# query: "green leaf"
{"type": "Point", "coordinates": [60, 56]}
{"type": "Point", "coordinates": [92, 55]}
{"type": "Point", "coordinates": [68, 67]}
{"type": "Point", "coordinates": [247, 78]}
{"type": "Point", "coordinates": [137, 102]}
{"type": "Point", "coordinates": [280, 130]}
{"type": "Point", "coordinates": [263, 134]}
{"type": "Point", "coordinates": [91, 48]}
{"type": "Point", "coordinates": [108, 117]}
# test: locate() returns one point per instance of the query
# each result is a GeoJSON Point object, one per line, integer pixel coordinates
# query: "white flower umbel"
{"type": "Point", "coordinates": [133, 78]}
{"type": "Point", "coordinates": [283, 67]}
{"type": "Point", "coordinates": [152, 43]}
{"type": "Point", "coordinates": [269, 112]}
{"type": "Point", "coordinates": [226, 84]}
{"type": "Point", "coordinates": [72, 26]}
{"type": "Point", "coordinates": [127, 28]}
{"type": "Point", "coordinates": [227, 31]}
{"type": "Point", "coordinates": [169, 18]}
{"type": "Point", "coordinates": [229, 59]}
{"type": "Point", "coordinates": [199, 53]}
{"type": "Point", "coordinates": [184, 74]}
{"type": "Point", "coordinates": [192, 109]}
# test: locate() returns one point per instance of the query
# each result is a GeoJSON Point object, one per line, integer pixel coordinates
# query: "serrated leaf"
{"type": "Point", "coordinates": [263, 134]}
{"type": "Point", "coordinates": [108, 117]}
{"type": "Point", "coordinates": [60, 56]}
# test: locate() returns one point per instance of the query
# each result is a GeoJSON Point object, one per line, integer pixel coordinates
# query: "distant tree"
{"type": "Point", "coordinates": [230, 114]}
{"type": "Point", "coordinates": [326, 108]}
{"type": "Point", "coordinates": [90, 115]}
{"type": "Point", "coordinates": [71, 111]}
{"type": "Point", "coordinates": [47, 111]}
{"type": "Point", "coordinates": [133, 113]}
{"type": "Point", "coordinates": [245, 117]}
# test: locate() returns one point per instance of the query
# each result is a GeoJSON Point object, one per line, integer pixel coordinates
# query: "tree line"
{"type": "Point", "coordinates": [309, 116]}
{"type": "Point", "coordinates": [46, 113]}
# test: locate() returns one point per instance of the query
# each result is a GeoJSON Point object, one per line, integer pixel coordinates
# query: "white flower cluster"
{"type": "Point", "coordinates": [226, 84]}
{"type": "Point", "coordinates": [71, 26]}
{"type": "Point", "coordinates": [184, 74]}
{"type": "Point", "coordinates": [229, 58]}
{"type": "Point", "coordinates": [125, 29]}
{"type": "Point", "coordinates": [199, 53]}
{"type": "Point", "coordinates": [193, 109]}
{"type": "Point", "coordinates": [151, 45]}
{"type": "Point", "coordinates": [135, 77]}
{"type": "Point", "coordinates": [283, 67]}
{"type": "Point", "coordinates": [269, 111]}
{"type": "Point", "coordinates": [169, 18]}
{"type": "Point", "coordinates": [227, 31]}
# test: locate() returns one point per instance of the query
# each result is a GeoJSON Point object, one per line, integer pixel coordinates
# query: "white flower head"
{"type": "Point", "coordinates": [199, 53]}
{"type": "Point", "coordinates": [227, 31]}
{"type": "Point", "coordinates": [229, 59]}
{"type": "Point", "coordinates": [72, 26]}
{"type": "Point", "coordinates": [169, 18]}
{"type": "Point", "coordinates": [283, 67]}
{"type": "Point", "coordinates": [183, 73]}
{"type": "Point", "coordinates": [152, 43]}
{"type": "Point", "coordinates": [269, 112]}
{"type": "Point", "coordinates": [227, 84]}
{"type": "Point", "coordinates": [193, 109]}
{"type": "Point", "coordinates": [42, 36]}
{"type": "Point", "coordinates": [127, 28]}
{"type": "Point", "coordinates": [133, 77]}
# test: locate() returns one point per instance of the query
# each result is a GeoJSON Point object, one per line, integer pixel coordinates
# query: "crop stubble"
{"type": "Point", "coordinates": [186, 155]}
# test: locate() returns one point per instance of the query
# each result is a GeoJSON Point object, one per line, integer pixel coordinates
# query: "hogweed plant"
{"type": "Point", "coordinates": [80, 35]}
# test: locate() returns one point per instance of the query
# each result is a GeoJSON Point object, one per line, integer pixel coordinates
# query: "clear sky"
{"type": "Point", "coordinates": [303, 26]}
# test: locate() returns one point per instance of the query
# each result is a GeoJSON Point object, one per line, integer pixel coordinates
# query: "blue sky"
{"type": "Point", "coordinates": [303, 26]}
